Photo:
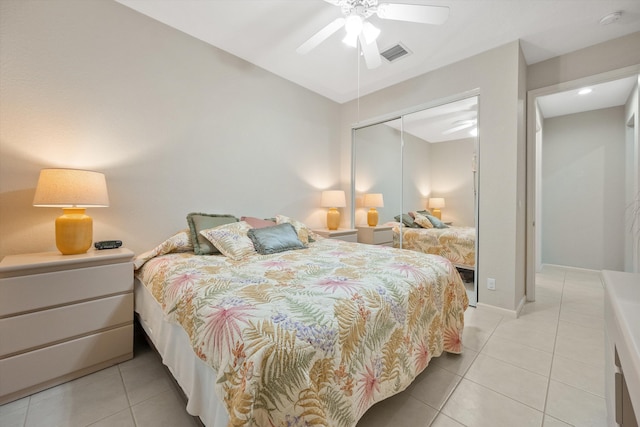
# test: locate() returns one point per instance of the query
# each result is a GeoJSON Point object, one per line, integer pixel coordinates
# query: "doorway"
{"type": "Point", "coordinates": [580, 181]}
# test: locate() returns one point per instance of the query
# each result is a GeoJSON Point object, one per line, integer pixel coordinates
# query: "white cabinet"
{"type": "Point", "coordinates": [63, 316]}
{"type": "Point", "coordinates": [622, 347]}
{"type": "Point", "coordinates": [379, 235]}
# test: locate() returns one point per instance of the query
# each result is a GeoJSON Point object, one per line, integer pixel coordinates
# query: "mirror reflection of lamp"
{"type": "Point", "coordinates": [435, 204]}
{"type": "Point", "coordinates": [333, 199]}
{"type": "Point", "coordinates": [373, 201]}
{"type": "Point", "coordinates": [72, 190]}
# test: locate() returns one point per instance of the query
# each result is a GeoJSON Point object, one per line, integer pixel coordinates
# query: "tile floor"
{"type": "Point", "coordinates": [545, 368]}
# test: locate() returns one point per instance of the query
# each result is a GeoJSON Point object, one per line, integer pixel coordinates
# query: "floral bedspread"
{"type": "Point", "coordinates": [311, 337]}
{"type": "Point", "coordinates": [457, 244]}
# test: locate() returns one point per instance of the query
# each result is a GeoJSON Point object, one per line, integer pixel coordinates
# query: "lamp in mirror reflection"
{"type": "Point", "coordinates": [72, 190]}
{"type": "Point", "coordinates": [373, 201]}
{"type": "Point", "coordinates": [435, 204]}
{"type": "Point", "coordinates": [333, 199]}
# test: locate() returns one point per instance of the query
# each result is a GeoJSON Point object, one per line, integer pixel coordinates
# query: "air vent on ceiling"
{"type": "Point", "coordinates": [395, 52]}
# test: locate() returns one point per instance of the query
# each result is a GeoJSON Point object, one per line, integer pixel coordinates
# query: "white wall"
{"type": "Point", "coordinates": [427, 170]}
{"type": "Point", "coordinates": [450, 166]}
{"type": "Point", "coordinates": [378, 170]}
{"type": "Point", "coordinates": [175, 124]}
{"type": "Point", "coordinates": [417, 174]}
{"type": "Point", "coordinates": [583, 197]}
{"type": "Point", "coordinates": [632, 181]}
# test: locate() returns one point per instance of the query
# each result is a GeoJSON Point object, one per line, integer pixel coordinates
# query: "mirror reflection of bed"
{"type": "Point", "coordinates": [417, 158]}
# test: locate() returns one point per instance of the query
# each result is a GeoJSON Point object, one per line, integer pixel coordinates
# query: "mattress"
{"type": "Point", "coordinates": [457, 244]}
{"type": "Point", "coordinates": [196, 378]}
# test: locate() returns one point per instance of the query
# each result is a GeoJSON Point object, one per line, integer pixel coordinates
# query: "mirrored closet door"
{"type": "Point", "coordinates": [422, 162]}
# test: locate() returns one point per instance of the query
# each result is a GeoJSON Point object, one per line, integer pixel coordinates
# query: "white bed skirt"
{"type": "Point", "coordinates": [196, 378]}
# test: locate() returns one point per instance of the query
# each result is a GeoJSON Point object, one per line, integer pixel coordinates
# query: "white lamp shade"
{"type": "Point", "coordinates": [333, 199]}
{"type": "Point", "coordinates": [436, 202]}
{"type": "Point", "coordinates": [71, 187]}
{"type": "Point", "coordinates": [373, 200]}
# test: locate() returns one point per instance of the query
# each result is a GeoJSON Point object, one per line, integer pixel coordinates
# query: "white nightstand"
{"type": "Point", "coordinates": [62, 317]}
{"type": "Point", "coordinates": [378, 235]}
{"type": "Point", "coordinates": [346, 234]}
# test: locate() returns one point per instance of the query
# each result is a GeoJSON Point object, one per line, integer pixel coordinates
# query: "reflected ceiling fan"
{"type": "Point", "coordinates": [459, 125]}
{"type": "Point", "coordinates": [356, 13]}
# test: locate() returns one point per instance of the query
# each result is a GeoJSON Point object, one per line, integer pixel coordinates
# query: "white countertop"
{"type": "Point", "coordinates": [623, 293]}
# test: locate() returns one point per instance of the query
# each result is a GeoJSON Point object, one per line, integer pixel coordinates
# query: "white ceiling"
{"type": "Point", "coordinates": [439, 124]}
{"type": "Point", "coordinates": [603, 95]}
{"type": "Point", "coordinates": [267, 33]}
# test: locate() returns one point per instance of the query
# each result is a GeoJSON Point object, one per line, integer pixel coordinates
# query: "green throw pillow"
{"type": "Point", "coordinates": [202, 221]}
{"type": "Point", "coordinates": [278, 238]}
{"type": "Point", "coordinates": [436, 222]}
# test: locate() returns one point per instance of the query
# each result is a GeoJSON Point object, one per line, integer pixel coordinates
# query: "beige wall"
{"type": "Point", "coordinates": [583, 181]}
{"type": "Point", "coordinates": [612, 55]}
{"type": "Point", "coordinates": [175, 124]}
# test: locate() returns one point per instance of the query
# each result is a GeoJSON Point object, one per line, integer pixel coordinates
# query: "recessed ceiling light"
{"type": "Point", "coordinates": [611, 18]}
{"type": "Point", "coordinates": [585, 91]}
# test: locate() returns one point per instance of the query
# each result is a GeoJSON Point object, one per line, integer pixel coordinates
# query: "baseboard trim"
{"type": "Point", "coordinates": [512, 314]}
{"type": "Point", "coordinates": [569, 267]}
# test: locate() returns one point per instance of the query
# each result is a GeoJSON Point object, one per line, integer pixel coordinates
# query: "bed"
{"type": "Point", "coordinates": [457, 244]}
{"type": "Point", "coordinates": [313, 336]}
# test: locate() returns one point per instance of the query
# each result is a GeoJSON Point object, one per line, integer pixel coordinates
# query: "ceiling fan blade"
{"type": "Point", "coordinates": [370, 51]}
{"type": "Point", "coordinates": [320, 36]}
{"type": "Point", "coordinates": [423, 14]}
{"type": "Point", "coordinates": [458, 128]}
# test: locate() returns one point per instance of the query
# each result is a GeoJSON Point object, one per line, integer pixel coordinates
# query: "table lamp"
{"type": "Point", "coordinates": [333, 199]}
{"type": "Point", "coordinates": [435, 204]}
{"type": "Point", "coordinates": [373, 201]}
{"type": "Point", "coordinates": [72, 190]}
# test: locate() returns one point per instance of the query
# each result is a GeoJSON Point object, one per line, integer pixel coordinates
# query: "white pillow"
{"type": "Point", "coordinates": [231, 239]}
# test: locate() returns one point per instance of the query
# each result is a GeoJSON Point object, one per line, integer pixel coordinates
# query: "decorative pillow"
{"type": "Point", "coordinates": [201, 221]}
{"type": "Point", "coordinates": [406, 220]}
{"type": "Point", "coordinates": [422, 220]}
{"type": "Point", "coordinates": [271, 240]}
{"type": "Point", "coordinates": [231, 239]}
{"type": "Point", "coordinates": [179, 242]}
{"type": "Point", "coordinates": [257, 222]}
{"type": "Point", "coordinates": [304, 233]}
{"type": "Point", "coordinates": [424, 212]}
{"type": "Point", "coordinates": [436, 222]}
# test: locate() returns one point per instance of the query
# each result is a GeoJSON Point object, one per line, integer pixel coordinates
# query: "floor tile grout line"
{"type": "Point", "coordinates": [511, 364]}
{"type": "Point", "coordinates": [555, 342]}
{"type": "Point", "coordinates": [505, 395]}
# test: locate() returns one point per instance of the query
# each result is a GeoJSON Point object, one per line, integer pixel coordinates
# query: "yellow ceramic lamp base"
{"type": "Point", "coordinates": [372, 217]}
{"type": "Point", "coordinates": [437, 213]}
{"type": "Point", "coordinates": [74, 231]}
{"type": "Point", "coordinates": [333, 219]}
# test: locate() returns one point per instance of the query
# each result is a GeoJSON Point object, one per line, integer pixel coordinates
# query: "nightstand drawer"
{"type": "Point", "coordinates": [52, 365]}
{"type": "Point", "coordinates": [32, 330]}
{"type": "Point", "coordinates": [32, 292]}
{"type": "Point", "coordinates": [382, 236]}
{"type": "Point", "coordinates": [349, 238]}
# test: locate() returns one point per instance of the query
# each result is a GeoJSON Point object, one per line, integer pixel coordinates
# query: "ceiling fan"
{"type": "Point", "coordinates": [459, 125]}
{"type": "Point", "coordinates": [356, 13]}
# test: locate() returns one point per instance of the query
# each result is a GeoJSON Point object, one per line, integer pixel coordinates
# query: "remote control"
{"type": "Point", "coordinates": [108, 244]}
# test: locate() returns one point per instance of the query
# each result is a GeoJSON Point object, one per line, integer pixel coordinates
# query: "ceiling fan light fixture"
{"type": "Point", "coordinates": [370, 31]}
{"type": "Point", "coordinates": [353, 24]}
{"type": "Point", "coordinates": [350, 40]}
{"type": "Point", "coordinates": [473, 132]}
